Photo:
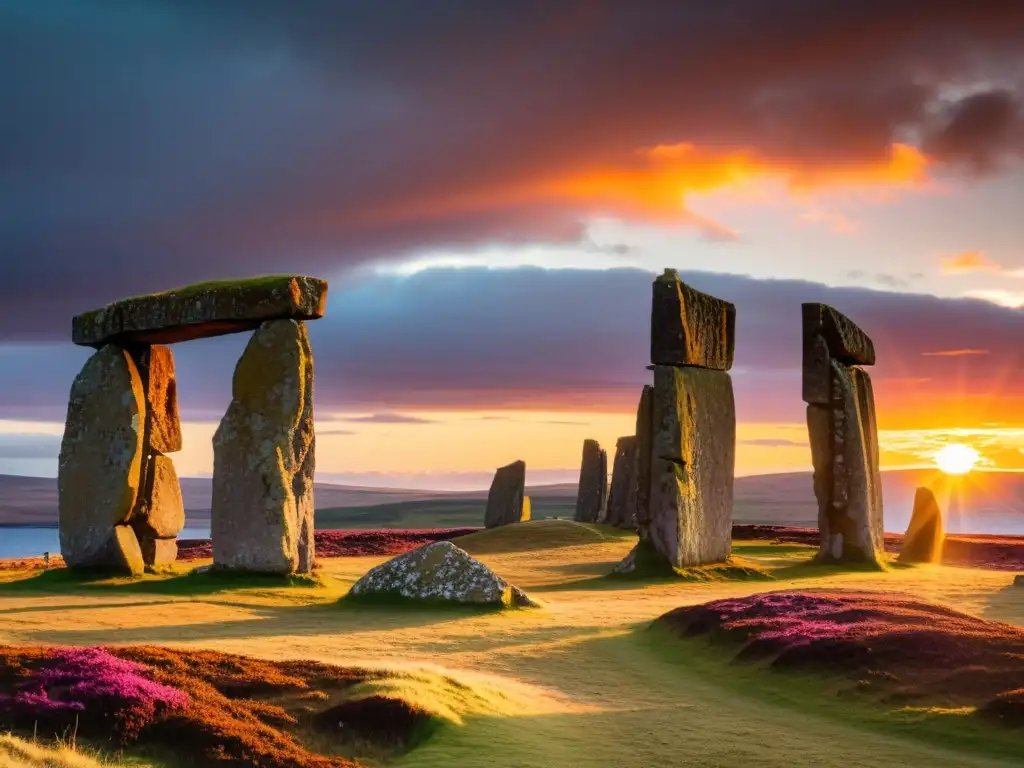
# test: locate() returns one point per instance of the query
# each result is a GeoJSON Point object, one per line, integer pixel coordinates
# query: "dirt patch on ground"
{"type": "Point", "coordinates": [203, 708]}
{"type": "Point", "coordinates": [998, 553]}
{"type": "Point", "coordinates": [348, 543]}
{"type": "Point", "coordinates": [902, 650]}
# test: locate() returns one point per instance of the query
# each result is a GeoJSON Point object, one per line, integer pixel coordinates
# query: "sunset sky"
{"type": "Point", "coordinates": [491, 187]}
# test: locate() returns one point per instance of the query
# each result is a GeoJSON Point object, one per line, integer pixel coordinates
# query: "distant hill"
{"type": "Point", "coordinates": [981, 502]}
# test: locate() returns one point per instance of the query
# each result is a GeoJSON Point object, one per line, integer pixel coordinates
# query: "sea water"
{"type": "Point", "coordinates": [26, 541]}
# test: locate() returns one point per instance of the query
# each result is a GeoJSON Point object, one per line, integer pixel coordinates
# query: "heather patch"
{"type": "Point", "coordinates": [901, 650]}
{"type": "Point", "coordinates": [204, 708]}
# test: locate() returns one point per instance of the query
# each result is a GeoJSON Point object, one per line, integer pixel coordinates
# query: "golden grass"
{"type": "Point", "coordinates": [573, 684]}
{"type": "Point", "coordinates": [20, 753]}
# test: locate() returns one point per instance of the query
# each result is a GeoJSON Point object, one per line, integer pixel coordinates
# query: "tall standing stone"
{"type": "Point", "coordinates": [506, 497]}
{"type": "Point", "coordinates": [644, 450]}
{"type": "Point", "coordinates": [843, 433]}
{"type": "Point", "coordinates": [592, 493]}
{"type": "Point", "coordinates": [262, 511]}
{"type": "Point", "coordinates": [623, 470]}
{"type": "Point", "coordinates": [926, 535]}
{"type": "Point", "coordinates": [100, 464]}
{"type": "Point", "coordinates": [686, 430]}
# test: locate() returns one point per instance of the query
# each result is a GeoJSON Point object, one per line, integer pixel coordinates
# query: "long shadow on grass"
{"type": "Point", "coordinates": [810, 569]}
{"type": "Point", "coordinates": [65, 580]}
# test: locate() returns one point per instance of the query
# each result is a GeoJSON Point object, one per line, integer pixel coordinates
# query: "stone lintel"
{"type": "Point", "coordinates": [201, 311]}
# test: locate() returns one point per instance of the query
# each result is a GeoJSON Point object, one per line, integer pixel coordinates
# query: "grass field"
{"type": "Point", "coordinates": [581, 681]}
{"type": "Point", "coordinates": [438, 513]}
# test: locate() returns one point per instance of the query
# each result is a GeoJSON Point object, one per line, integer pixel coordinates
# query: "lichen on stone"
{"type": "Point", "coordinates": [439, 572]}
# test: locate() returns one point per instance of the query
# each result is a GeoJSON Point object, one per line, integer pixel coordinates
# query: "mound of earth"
{"type": "Point", "coordinates": [897, 648]}
{"type": "Point", "coordinates": [348, 543]}
{"type": "Point", "coordinates": [209, 708]}
{"type": "Point", "coordinates": [538, 534]}
{"type": "Point", "coordinates": [439, 572]}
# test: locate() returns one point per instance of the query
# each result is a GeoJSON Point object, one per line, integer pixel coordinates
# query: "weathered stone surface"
{"type": "Point", "coordinates": [844, 449]}
{"type": "Point", "coordinates": [623, 469]}
{"type": "Point", "coordinates": [158, 552]}
{"type": "Point", "coordinates": [163, 426]}
{"type": "Point", "coordinates": [505, 497]}
{"type": "Point", "coordinates": [100, 460]}
{"type": "Point", "coordinates": [925, 535]}
{"type": "Point", "coordinates": [262, 510]}
{"type": "Point", "coordinates": [817, 372]}
{"type": "Point", "coordinates": [592, 493]}
{"type": "Point", "coordinates": [644, 447]}
{"type": "Point", "coordinates": [440, 571]}
{"type": "Point", "coordinates": [693, 461]}
{"type": "Point", "coordinates": [122, 553]}
{"type": "Point", "coordinates": [689, 327]}
{"type": "Point", "coordinates": [159, 512]}
{"type": "Point", "coordinates": [201, 311]}
{"type": "Point", "coordinates": [846, 342]}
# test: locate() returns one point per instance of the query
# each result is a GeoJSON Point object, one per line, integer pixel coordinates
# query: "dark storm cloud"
{"type": "Point", "coordinates": [982, 131]}
{"type": "Point", "coordinates": [150, 144]}
{"type": "Point", "coordinates": [572, 340]}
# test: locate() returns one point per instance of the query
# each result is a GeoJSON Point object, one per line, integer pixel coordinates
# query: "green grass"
{"type": "Point", "coordinates": [539, 535]}
{"type": "Point", "coordinates": [167, 582]}
{"type": "Point", "coordinates": [649, 565]}
{"type": "Point", "coordinates": [833, 698]}
{"type": "Point", "coordinates": [433, 513]}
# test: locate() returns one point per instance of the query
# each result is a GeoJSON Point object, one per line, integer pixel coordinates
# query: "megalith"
{"type": "Point", "coordinates": [99, 470]}
{"type": "Point", "coordinates": [686, 429]}
{"type": "Point", "coordinates": [120, 498]}
{"type": "Point", "coordinates": [843, 434]}
{"type": "Point", "coordinates": [506, 497]}
{"type": "Point", "coordinates": [159, 513]}
{"type": "Point", "coordinates": [592, 493]}
{"type": "Point", "coordinates": [262, 508]}
{"type": "Point", "coordinates": [619, 512]}
{"type": "Point", "coordinates": [926, 535]}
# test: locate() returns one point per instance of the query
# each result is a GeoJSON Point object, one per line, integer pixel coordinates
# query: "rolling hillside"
{"type": "Point", "coordinates": [982, 502]}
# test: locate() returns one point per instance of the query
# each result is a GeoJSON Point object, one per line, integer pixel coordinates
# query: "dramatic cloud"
{"type": "Point", "coordinates": [568, 340]}
{"type": "Point", "coordinates": [955, 353]}
{"type": "Point", "coordinates": [151, 144]}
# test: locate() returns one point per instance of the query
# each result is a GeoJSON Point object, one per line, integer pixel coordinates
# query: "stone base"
{"type": "Point", "coordinates": [159, 553]}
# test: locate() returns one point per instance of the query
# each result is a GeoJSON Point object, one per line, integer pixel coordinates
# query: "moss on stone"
{"type": "Point", "coordinates": [648, 564]}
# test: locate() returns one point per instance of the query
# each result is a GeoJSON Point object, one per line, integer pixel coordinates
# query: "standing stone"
{"type": "Point", "coordinates": [644, 448]}
{"type": "Point", "coordinates": [623, 469]}
{"type": "Point", "coordinates": [505, 499]}
{"type": "Point", "coordinates": [527, 510]}
{"type": "Point", "coordinates": [163, 426]}
{"type": "Point", "coordinates": [100, 463]}
{"type": "Point", "coordinates": [925, 535]}
{"type": "Point", "coordinates": [693, 461]}
{"type": "Point", "coordinates": [689, 327]}
{"type": "Point", "coordinates": [591, 496]}
{"type": "Point", "coordinates": [843, 434]}
{"type": "Point", "coordinates": [160, 512]}
{"type": "Point", "coordinates": [262, 510]}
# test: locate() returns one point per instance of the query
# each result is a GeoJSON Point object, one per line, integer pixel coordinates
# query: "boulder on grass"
{"type": "Point", "coordinates": [439, 572]}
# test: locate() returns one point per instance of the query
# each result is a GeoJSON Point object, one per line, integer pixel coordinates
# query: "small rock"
{"type": "Point", "coordinates": [1018, 580]}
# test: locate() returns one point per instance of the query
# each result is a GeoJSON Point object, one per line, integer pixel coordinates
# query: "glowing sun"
{"type": "Point", "coordinates": [956, 459]}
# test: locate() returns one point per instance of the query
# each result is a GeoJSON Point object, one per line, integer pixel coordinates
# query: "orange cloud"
{"type": "Point", "coordinates": [955, 353]}
{"type": "Point", "coordinates": [969, 261]}
{"type": "Point", "coordinates": [674, 170]}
